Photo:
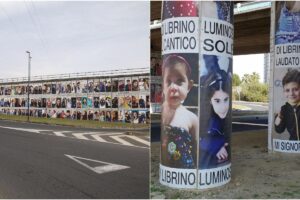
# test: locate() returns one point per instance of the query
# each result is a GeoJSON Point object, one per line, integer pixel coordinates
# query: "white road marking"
{"type": "Point", "coordinates": [61, 133]}
{"type": "Point", "coordinates": [117, 138]}
{"type": "Point", "coordinates": [98, 138]}
{"type": "Point", "coordinates": [139, 140]}
{"type": "Point", "coordinates": [80, 136]}
{"type": "Point", "coordinates": [102, 134]}
{"type": "Point", "coordinates": [108, 167]}
{"type": "Point", "coordinates": [24, 129]}
{"type": "Point", "coordinates": [251, 124]}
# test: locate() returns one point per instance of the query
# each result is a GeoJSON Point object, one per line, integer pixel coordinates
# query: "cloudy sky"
{"type": "Point", "coordinates": [67, 37]}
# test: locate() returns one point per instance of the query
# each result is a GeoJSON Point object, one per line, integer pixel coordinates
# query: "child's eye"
{"type": "Point", "coordinates": [226, 99]}
{"type": "Point", "coordinates": [179, 82]}
{"type": "Point", "coordinates": [217, 100]}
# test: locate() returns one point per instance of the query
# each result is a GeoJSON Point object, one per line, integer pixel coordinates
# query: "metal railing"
{"type": "Point", "coordinates": [110, 73]}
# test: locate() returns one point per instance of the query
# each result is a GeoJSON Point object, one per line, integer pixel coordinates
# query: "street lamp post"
{"type": "Point", "coordinates": [29, 59]}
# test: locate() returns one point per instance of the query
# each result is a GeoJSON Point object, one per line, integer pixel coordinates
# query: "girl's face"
{"type": "Point", "coordinates": [292, 92]}
{"type": "Point", "coordinates": [220, 103]}
{"type": "Point", "coordinates": [176, 84]}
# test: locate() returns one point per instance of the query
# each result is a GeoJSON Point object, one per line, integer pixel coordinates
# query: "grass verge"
{"type": "Point", "coordinates": [74, 123]}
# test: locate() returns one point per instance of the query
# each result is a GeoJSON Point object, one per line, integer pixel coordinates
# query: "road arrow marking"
{"type": "Point", "coordinates": [108, 167]}
{"type": "Point", "coordinates": [24, 129]}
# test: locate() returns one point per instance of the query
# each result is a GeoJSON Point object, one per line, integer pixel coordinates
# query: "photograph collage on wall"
{"type": "Point", "coordinates": [85, 99]}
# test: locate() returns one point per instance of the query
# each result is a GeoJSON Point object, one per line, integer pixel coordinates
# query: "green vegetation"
{"type": "Point", "coordinates": [74, 123]}
{"type": "Point", "coordinates": [236, 81]}
{"type": "Point", "coordinates": [251, 88]}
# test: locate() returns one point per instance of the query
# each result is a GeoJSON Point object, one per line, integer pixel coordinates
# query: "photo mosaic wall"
{"type": "Point", "coordinates": [110, 99]}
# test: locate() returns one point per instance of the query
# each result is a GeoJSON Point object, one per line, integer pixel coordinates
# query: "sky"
{"type": "Point", "coordinates": [68, 37]}
{"type": "Point", "coordinates": [247, 64]}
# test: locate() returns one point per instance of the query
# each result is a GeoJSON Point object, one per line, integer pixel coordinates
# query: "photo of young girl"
{"type": "Point", "coordinates": [287, 28]}
{"type": "Point", "coordinates": [135, 84]}
{"type": "Point", "coordinates": [214, 138]}
{"type": "Point", "coordinates": [78, 102]}
{"type": "Point", "coordinates": [114, 116]}
{"type": "Point", "coordinates": [179, 125]}
{"type": "Point", "coordinates": [84, 102]}
{"type": "Point", "coordinates": [135, 117]}
{"type": "Point", "coordinates": [289, 116]}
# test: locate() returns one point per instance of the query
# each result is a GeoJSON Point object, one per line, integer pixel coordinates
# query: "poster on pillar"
{"type": "Point", "coordinates": [196, 108]}
{"type": "Point", "coordinates": [180, 71]}
{"type": "Point", "coordinates": [216, 38]}
{"type": "Point", "coordinates": [285, 119]}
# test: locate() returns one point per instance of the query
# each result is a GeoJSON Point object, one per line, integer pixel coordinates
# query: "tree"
{"type": "Point", "coordinates": [236, 81]}
{"type": "Point", "coordinates": [252, 89]}
{"type": "Point", "coordinates": [250, 78]}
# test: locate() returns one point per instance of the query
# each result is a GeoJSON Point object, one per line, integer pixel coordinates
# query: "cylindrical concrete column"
{"type": "Point", "coordinates": [197, 44]}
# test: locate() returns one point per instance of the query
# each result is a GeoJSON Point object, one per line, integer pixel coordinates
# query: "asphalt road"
{"type": "Point", "coordinates": [34, 163]}
{"type": "Point", "coordinates": [254, 106]}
